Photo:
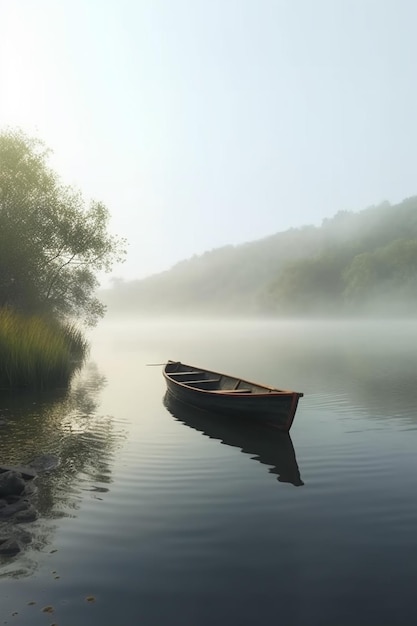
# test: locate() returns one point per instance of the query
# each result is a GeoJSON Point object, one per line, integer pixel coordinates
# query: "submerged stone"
{"type": "Point", "coordinates": [27, 515]}
{"type": "Point", "coordinates": [9, 547]}
{"type": "Point", "coordinates": [44, 463]}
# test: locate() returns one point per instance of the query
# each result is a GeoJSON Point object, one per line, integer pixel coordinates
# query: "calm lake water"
{"type": "Point", "coordinates": [157, 516]}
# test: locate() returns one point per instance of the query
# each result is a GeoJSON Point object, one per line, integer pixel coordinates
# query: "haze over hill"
{"type": "Point", "coordinates": [353, 263]}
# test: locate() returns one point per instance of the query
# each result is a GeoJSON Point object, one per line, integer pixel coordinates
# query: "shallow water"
{"type": "Point", "coordinates": [157, 514]}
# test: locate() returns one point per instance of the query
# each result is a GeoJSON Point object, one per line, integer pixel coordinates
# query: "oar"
{"type": "Point", "coordinates": [155, 364]}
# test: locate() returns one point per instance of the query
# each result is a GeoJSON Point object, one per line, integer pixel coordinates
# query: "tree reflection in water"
{"type": "Point", "coordinates": [73, 447]}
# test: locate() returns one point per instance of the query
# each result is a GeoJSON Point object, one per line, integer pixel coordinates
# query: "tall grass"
{"type": "Point", "coordinates": [38, 353]}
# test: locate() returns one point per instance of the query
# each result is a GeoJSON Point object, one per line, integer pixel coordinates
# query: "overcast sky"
{"type": "Point", "coordinates": [206, 122]}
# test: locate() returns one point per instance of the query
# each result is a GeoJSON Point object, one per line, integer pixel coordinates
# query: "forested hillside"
{"type": "Point", "coordinates": [352, 263]}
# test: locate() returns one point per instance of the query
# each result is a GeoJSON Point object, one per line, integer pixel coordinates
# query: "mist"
{"type": "Point", "coordinates": [354, 264]}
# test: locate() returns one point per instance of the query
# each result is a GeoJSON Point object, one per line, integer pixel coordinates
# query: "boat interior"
{"type": "Point", "coordinates": [213, 381]}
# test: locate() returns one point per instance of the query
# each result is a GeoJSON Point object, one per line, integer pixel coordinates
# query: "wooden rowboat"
{"type": "Point", "coordinates": [228, 395]}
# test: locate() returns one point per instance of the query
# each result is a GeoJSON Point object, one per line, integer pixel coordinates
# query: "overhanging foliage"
{"type": "Point", "coordinates": [51, 243]}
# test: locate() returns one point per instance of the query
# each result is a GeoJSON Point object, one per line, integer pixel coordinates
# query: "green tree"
{"type": "Point", "coordinates": [390, 270]}
{"type": "Point", "coordinates": [308, 286]}
{"type": "Point", "coordinates": [51, 243]}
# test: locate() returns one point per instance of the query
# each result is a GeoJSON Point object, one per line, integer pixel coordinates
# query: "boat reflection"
{"type": "Point", "coordinates": [267, 445]}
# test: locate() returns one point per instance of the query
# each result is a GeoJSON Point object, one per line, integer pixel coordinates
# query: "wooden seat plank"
{"type": "Point", "coordinates": [242, 390]}
{"type": "Point", "coordinates": [185, 373]}
{"type": "Point", "coordinates": [199, 382]}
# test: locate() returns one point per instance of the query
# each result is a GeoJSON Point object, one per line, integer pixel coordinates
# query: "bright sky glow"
{"type": "Point", "coordinates": [202, 123]}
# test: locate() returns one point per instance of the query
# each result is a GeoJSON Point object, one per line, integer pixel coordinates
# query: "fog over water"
{"type": "Point", "coordinates": [207, 520]}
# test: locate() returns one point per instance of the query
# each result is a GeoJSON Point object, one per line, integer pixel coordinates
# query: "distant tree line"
{"type": "Point", "coordinates": [368, 263]}
{"type": "Point", "coordinates": [355, 262]}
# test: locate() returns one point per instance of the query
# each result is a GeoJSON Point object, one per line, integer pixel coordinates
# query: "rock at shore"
{"type": "Point", "coordinates": [16, 491]}
{"type": "Point", "coordinates": [11, 484]}
{"type": "Point", "coordinates": [28, 473]}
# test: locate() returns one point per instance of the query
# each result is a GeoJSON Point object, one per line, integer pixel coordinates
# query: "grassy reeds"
{"type": "Point", "coordinates": [37, 353]}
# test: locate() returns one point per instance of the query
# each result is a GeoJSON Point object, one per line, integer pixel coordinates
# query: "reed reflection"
{"type": "Point", "coordinates": [69, 445]}
{"type": "Point", "coordinates": [267, 445]}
